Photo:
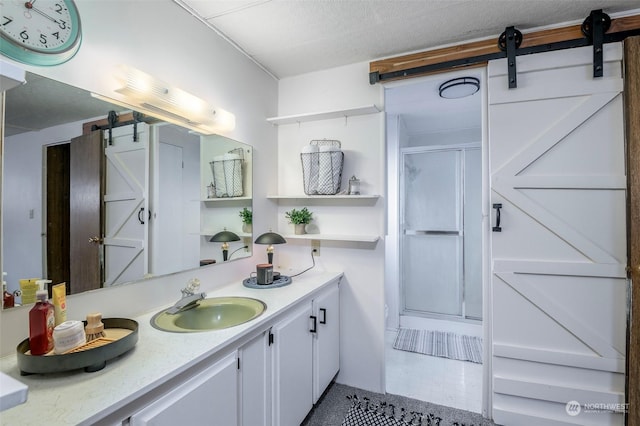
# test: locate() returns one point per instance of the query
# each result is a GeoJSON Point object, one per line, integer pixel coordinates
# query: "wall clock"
{"type": "Point", "coordinates": [39, 32]}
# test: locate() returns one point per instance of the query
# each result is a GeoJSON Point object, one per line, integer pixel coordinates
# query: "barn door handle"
{"type": "Point", "coordinates": [497, 228]}
{"type": "Point", "coordinates": [141, 217]}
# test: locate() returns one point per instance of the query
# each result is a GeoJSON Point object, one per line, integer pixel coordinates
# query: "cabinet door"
{"type": "Point", "coordinates": [255, 382]}
{"type": "Point", "coordinates": [292, 368]}
{"type": "Point", "coordinates": [210, 398]}
{"type": "Point", "coordinates": [326, 342]}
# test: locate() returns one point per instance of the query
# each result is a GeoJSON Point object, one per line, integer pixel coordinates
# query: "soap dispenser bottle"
{"type": "Point", "coordinates": [8, 301]}
{"type": "Point", "coordinates": [41, 324]}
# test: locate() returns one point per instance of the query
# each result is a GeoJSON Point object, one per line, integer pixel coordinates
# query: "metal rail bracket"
{"type": "Point", "coordinates": [594, 27]}
{"type": "Point", "coordinates": [510, 40]}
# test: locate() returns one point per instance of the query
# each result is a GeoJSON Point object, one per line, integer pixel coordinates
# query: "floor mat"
{"type": "Point", "coordinates": [439, 343]}
{"type": "Point", "coordinates": [363, 412]}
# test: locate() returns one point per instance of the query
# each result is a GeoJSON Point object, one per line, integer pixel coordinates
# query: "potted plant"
{"type": "Point", "coordinates": [247, 220]}
{"type": "Point", "coordinates": [299, 218]}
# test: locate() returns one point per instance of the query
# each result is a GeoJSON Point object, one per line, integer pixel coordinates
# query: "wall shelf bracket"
{"type": "Point", "coordinates": [509, 41]}
{"type": "Point", "coordinates": [594, 27]}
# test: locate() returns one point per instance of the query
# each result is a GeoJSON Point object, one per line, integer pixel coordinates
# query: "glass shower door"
{"type": "Point", "coordinates": [431, 232]}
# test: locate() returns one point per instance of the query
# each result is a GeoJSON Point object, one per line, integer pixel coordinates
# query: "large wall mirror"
{"type": "Point", "coordinates": [95, 204]}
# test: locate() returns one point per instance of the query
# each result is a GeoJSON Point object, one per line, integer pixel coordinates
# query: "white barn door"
{"type": "Point", "coordinates": [126, 204]}
{"type": "Point", "coordinates": [558, 265]}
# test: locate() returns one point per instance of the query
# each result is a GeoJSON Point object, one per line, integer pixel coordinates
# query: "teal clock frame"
{"type": "Point", "coordinates": [47, 57]}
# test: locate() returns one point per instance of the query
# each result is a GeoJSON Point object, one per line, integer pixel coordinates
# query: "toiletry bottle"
{"type": "Point", "coordinates": [59, 297]}
{"type": "Point", "coordinates": [28, 288]}
{"type": "Point", "coordinates": [8, 300]}
{"type": "Point", "coordinates": [43, 285]}
{"type": "Point", "coordinates": [41, 325]}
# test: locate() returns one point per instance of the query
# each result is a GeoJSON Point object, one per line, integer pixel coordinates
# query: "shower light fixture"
{"type": "Point", "coordinates": [459, 87]}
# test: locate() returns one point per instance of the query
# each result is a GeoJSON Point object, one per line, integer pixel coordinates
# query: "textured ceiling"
{"type": "Point", "coordinates": [291, 37]}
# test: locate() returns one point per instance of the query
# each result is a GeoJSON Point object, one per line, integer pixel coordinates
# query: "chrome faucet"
{"type": "Point", "coordinates": [190, 298]}
{"type": "Point", "coordinates": [192, 286]}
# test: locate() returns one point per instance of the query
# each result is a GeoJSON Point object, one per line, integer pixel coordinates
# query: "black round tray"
{"type": "Point", "coordinates": [91, 360]}
{"type": "Point", "coordinates": [281, 281]}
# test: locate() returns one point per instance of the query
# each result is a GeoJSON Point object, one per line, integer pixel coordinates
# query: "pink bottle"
{"type": "Point", "coordinates": [41, 323]}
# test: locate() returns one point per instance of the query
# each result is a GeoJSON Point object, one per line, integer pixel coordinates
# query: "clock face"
{"type": "Point", "coordinates": [39, 32]}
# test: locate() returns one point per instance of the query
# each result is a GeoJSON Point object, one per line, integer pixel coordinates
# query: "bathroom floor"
{"type": "Point", "coordinates": [443, 381]}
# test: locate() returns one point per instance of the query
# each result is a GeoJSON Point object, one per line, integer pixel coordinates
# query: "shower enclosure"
{"type": "Point", "coordinates": [440, 232]}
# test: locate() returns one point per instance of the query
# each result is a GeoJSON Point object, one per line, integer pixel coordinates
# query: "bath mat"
{"type": "Point", "coordinates": [440, 343]}
{"type": "Point", "coordinates": [364, 412]}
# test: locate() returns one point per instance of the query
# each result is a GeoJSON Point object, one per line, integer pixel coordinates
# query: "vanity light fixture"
{"type": "Point", "coordinates": [143, 92]}
{"type": "Point", "coordinates": [225, 237]}
{"type": "Point", "coordinates": [270, 238]}
{"type": "Point", "coordinates": [460, 87]}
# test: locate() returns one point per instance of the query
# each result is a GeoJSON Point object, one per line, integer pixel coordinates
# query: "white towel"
{"type": "Point", "coordinates": [329, 170]}
{"type": "Point", "coordinates": [309, 156]}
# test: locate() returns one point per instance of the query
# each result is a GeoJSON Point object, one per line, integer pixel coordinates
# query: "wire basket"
{"type": "Point", "coordinates": [227, 174]}
{"type": "Point", "coordinates": [322, 163]}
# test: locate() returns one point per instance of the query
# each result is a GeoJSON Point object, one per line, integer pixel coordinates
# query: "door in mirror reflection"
{"type": "Point", "coordinates": [85, 213]}
{"type": "Point", "coordinates": [126, 204]}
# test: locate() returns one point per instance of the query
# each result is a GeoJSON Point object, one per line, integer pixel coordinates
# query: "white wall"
{"type": "Point", "coordinates": [449, 137]}
{"type": "Point", "coordinates": [362, 140]}
{"type": "Point", "coordinates": [131, 34]}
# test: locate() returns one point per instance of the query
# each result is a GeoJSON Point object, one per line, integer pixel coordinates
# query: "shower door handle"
{"type": "Point", "coordinates": [497, 228]}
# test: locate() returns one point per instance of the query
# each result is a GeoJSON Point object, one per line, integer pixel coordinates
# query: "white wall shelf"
{"type": "Point", "coordinates": [323, 197]}
{"type": "Point", "coordinates": [333, 237]}
{"type": "Point", "coordinates": [225, 199]}
{"type": "Point", "coordinates": [300, 118]}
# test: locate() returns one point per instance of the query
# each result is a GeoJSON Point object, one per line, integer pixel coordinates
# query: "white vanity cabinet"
{"type": "Point", "coordinates": [292, 367]}
{"type": "Point", "coordinates": [326, 341]}
{"type": "Point", "coordinates": [306, 356]}
{"type": "Point", "coordinates": [209, 398]}
{"type": "Point", "coordinates": [272, 379]}
{"type": "Point", "coordinates": [254, 361]}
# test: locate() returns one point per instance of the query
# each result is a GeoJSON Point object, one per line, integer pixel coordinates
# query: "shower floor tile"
{"type": "Point", "coordinates": [443, 381]}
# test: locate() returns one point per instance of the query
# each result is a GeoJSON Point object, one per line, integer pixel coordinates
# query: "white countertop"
{"type": "Point", "coordinates": [77, 397]}
{"type": "Point", "coordinates": [12, 392]}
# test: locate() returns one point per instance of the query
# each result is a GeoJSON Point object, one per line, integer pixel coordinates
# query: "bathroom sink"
{"type": "Point", "coordinates": [213, 313]}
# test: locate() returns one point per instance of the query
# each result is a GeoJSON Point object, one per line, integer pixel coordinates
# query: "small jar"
{"type": "Point", "coordinates": [354, 186]}
{"type": "Point", "coordinates": [68, 335]}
